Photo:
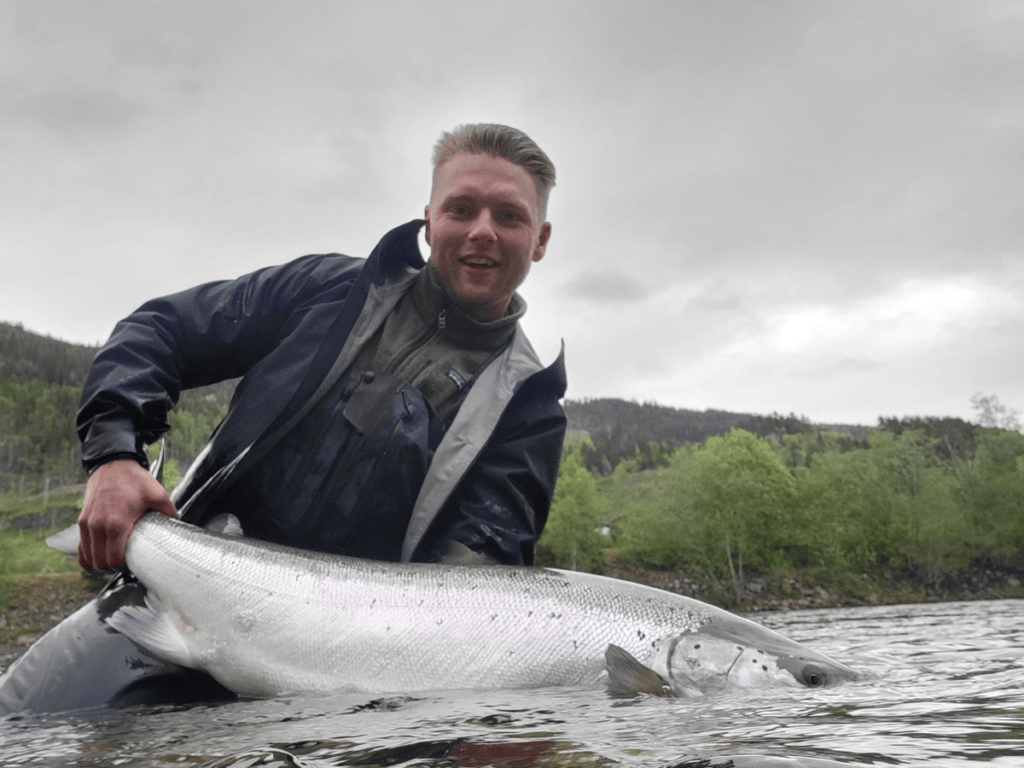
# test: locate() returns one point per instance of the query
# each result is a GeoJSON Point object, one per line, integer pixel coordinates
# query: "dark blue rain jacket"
{"type": "Point", "coordinates": [487, 483]}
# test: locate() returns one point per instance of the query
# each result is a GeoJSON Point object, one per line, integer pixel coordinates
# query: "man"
{"type": "Point", "coordinates": [387, 408]}
{"type": "Point", "coordinates": [379, 323]}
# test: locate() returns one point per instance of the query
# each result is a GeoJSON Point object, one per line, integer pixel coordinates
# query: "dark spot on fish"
{"type": "Point", "coordinates": [555, 615]}
{"type": "Point", "coordinates": [696, 646]}
{"type": "Point", "coordinates": [494, 616]}
{"type": "Point", "coordinates": [764, 667]}
{"type": "Point", "coordinates": [640, 634]}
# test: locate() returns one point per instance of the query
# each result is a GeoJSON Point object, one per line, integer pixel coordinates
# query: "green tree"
{"type": "Point", "coordinates": [993, 494]}
{"type": "Point", "coordinates": [572, 532]}
{"type": "Point", "coordinates": [659, 527]}
{"type": "Point", "coordinates": [192, 421]}
{"type": "Point", "coordinates": [37, 429]}
{"type": "Point", "coordinates": [745, 496]}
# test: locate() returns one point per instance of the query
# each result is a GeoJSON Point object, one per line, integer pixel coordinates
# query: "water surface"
{"type": "Point", "coordinates": [945, 687]}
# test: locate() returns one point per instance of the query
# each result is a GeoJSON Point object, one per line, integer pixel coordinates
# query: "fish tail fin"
{"type": "Point", "coordinates": [154, 628]}
{"type": "Point", "coordinates": [65, 541]}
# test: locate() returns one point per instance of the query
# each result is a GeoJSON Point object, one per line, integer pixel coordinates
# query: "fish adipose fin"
{"type": "Point", "coordinates": [628, 677]}
{"type": "Point", "coordinates": [154, 629]}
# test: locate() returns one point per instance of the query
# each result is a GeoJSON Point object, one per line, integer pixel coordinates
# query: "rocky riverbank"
{"type": "Point", "coordinates": [35, 604]}
{"type": "Point", "coordinates": [824, 589]}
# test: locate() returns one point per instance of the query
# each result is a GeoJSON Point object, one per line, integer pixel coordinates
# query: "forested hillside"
{"type": "Point", "coordinates": [26, 356]}
{"type": "Point", "coordinates": [646, 432]}
{"type": "Point", "coordinates": [938, 502]}
{"type": "Point", "coordinates": [40, 386]}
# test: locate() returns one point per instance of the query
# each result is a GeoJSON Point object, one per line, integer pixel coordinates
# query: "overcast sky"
{"type": "Point", "coordinates": [764, 206]}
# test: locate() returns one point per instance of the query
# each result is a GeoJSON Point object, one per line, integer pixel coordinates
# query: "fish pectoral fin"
{"type": "Point", "coordinates": [628, 677]}
{"type": "Point", "coordinates": [154, 628]}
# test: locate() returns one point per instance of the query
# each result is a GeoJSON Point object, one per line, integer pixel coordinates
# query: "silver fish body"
{"type": "Point", "coordinates": [266, 620]}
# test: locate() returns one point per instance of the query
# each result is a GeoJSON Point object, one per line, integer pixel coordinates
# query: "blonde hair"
{"type": "Point", "coordinates": [499, 141]}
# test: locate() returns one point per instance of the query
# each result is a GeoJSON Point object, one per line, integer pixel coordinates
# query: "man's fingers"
{"type": "Point", "coordinates": [164, 506]}
{"type": "Point", "coordinates": [118, 495]}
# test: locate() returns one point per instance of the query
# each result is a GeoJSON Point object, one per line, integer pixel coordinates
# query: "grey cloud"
{"type": "Point", "coordinates": [607, 285]}
{"type": "Point", "coordinates": [71, 111]}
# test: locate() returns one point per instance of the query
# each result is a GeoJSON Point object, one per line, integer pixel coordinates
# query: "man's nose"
{"type": "Point", "coordinates": [483, 227]}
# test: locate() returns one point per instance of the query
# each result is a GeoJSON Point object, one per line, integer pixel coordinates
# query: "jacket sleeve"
{"type": "Point", "coordinates": [200, 336]}
{"type": "Point", "coordinates": [501, 505]}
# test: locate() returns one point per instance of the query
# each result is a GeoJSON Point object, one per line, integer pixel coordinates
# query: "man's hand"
{"type": "Point", "coordinates": [117, 496]}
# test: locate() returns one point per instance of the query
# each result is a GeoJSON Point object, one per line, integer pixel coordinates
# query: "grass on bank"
{"type": "Point", "coordinates": [63, 499]}
{"type": "Point", "coordinates": [23, 549]}
{"type": "Point", "coordinates": [24, 553]}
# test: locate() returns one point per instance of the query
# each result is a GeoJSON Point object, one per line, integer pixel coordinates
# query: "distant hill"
{"type": "Point", "coordinates": [630, 421]}
{"type": "Point", "coordinates": [620, 428]}
{"type": "Point", "coordinates": [25, 355]}
{"type": "Point", "coordinates": [623, 421]}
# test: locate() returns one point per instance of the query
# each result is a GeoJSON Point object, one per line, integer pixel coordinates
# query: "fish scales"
{"type": "Point", "coordinates": [267, 620]}
{"type": "Point", "coordinates": [314, 622]}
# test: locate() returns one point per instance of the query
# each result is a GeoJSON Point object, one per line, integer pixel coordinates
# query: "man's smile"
{"type": "Point", "coordinates": [478, 261]}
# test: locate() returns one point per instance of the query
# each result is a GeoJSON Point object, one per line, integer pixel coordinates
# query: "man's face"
{"type": "Point", "coordinates": [484, 229]}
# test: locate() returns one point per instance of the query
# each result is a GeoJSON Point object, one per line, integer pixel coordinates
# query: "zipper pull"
{"type": "Point", "coordinates": [441, 320]}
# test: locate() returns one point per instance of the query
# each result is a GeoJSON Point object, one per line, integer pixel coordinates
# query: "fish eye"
{"type": "Point", "coordinates": [813, 677]}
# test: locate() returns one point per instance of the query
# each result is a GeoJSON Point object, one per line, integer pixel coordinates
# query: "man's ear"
{"type": "Point", "coordinates": [426, 229]}
{"type": "Point", "coordinates": [542, 241]}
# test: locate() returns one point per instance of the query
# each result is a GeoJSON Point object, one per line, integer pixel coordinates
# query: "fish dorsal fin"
{"type": "Point", "coordinates": [225, 523]}
{"type": "Point", "coordinates": [628, 677]}
{"type": "Point", "coordinates": [457, 553]}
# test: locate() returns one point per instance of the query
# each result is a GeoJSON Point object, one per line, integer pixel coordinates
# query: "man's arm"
{"type": "Point", "coordinates": [209, 333]}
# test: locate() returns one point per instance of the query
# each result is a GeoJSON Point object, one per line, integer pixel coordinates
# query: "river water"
{"type": "Point", "coordinates": [944, 687]}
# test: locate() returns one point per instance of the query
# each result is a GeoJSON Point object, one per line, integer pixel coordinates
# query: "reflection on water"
{"type": "Point", "coordinates": [945, 687]}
